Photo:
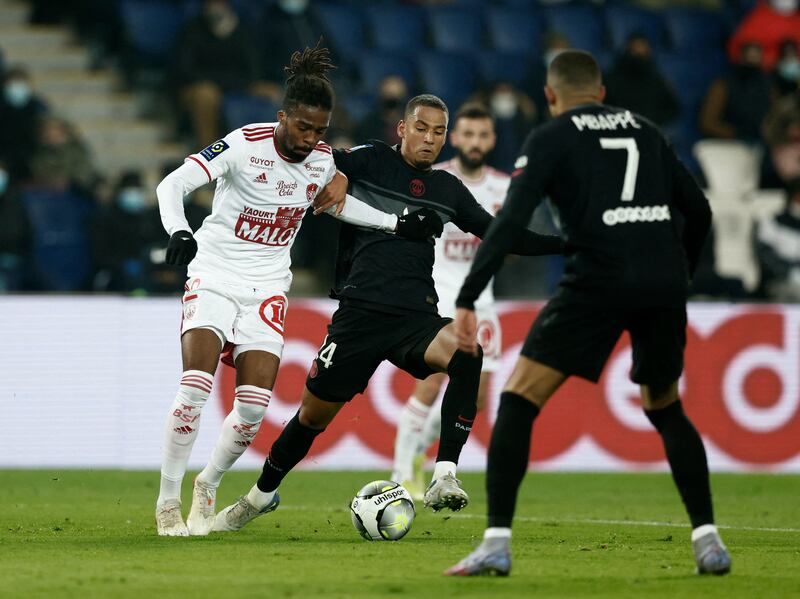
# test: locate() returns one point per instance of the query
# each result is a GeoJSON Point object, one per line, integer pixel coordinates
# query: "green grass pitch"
{"type": "Point", "coordinates": [91, 534]}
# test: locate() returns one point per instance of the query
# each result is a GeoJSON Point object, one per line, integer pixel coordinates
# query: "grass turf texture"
{"type": "Point", "coordinates": [92, 534]}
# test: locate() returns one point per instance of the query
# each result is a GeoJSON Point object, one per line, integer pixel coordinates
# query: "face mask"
{"type": "Point", "coordinates": [789, 69]}
{"type": "Point", "coordinates": [784, 6]}
{"type": "Point", "coordinates": [294, 7]}
{"type": "Point", "coordinates": [18, 93]}
{"type": "Point", "coordinates": [132, 199]}
{"type": "Point", "coordinates": [3, 182]}
{"type": "Point", "coordinates": [503, 105]}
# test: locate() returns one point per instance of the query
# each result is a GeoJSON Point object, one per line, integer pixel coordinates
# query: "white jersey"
{"type": "Point", "coordinates": [455, 249]}
{"type": "Point", "coordinates": [259, 204]}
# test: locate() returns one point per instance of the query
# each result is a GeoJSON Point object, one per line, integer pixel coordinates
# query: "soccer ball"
{"type": "Point", "coordinates": [382, 511]}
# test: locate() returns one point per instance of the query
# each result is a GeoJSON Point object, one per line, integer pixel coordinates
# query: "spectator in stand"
{"type": "Point", "coordinates": [769, 24]}
{"type": "Point", "coordinates": [735, 105]}
{"type": "Point", "coordinates": [635, 83]}
{"type": "Point", "coordinates": [382, 122]}
{"type": "Point", "coordinates": [782, 136]}
{"type": "Point", "coordinates": [787, 72]}
{"type": "Point", "coordinates": [215, 55]}
{"type": "Point", "coordinates": [15, 236]}
{"type": "Point", "coordinates": [288, 25]}
{"type": "Point", "coordinates": [777, 241]}
{"type": "Point", "coordinates": [61, 161]}
{"type": "Point", "coordinates": [20, 111]}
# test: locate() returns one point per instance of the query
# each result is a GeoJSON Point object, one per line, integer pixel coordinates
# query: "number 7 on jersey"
{"type": "Point", "coordinates": [631, 167]}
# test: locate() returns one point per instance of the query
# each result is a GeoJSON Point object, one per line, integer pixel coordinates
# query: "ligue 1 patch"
{"type": "Point", "coordinates": [353, 149]}
{"type": "Point", "coordinates": [521, 162]}
{"type": "Point", "coordinates": [214, 150]}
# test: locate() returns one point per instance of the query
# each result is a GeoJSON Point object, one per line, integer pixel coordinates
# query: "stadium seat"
{"type": "Point", "coordinates": [396, 27]}
{"type": "Point", "coordinates": [242, 109]}
{"type": "Point", "coordinates": [690, 77]}
{"type": "Point", "coordinates": [374, 66]}
{"type": "Point", "coordinates": [504, 66]}
{"type": "Point", "coordinates": [581, 24]}
{"type": "Point", "coordinates": [358, 106]}
{"type": "Point", "coordinates": [691, 30]}
{"type": "Point", "coordinates": [456, 29]}
{"type": "Point", "coordinates": [622, 21]}
{"type": "Point", "coordinates": [449, 76]}
{"type": "Point", "coordinates": [152, 26]}
{"type": "Point", "coordinates": [514, 30]}
{"type": "Point", "coordinates": [344, 27]}
{"type": "Point", "coordinates": [61, 258]}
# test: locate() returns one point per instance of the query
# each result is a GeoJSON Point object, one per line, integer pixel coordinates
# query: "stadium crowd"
{"type": "Point", "coordinates": [727, 73]}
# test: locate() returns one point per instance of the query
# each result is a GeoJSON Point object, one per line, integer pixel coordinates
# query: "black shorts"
{"type": "Point", "coordinates": [359, 339]}
{"type": "Point", "coordinates": [576, 338]}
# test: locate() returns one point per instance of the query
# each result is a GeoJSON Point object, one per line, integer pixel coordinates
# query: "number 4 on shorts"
{"type": "Point", "coordinates": [325, 354]}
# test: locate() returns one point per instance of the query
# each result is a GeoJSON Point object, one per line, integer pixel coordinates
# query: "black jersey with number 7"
{"type": "Point", "coordinates": [633, 218]}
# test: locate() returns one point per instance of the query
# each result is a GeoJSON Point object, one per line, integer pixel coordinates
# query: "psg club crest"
{"type": "Point", "coordinates": [417, 187]}
{"type": "Point", "coordinates": [311, 191]}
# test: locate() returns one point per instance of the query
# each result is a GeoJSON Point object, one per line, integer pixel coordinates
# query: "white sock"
{"type": "Point", "coordinates": [260, 498]}
{"type": "Point", "coordinates": [238, 431]}
{"type": "Point", "coordinates": [443, 468]}
{"type": "Point", "coordinates": [497, 532]}
{"type": "Point", "coordinates": [180, 431]}
{"type": "Point", "coordinates": [703, 530]}
{"type": "Point", "coordinates": [432, 429]}
{"type": "Point", "coordinates": [408, 439]}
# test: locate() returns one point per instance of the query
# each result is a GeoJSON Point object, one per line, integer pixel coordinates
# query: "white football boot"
{"type": "Point", "coordinates": [201, 516]}
{"type": "Point", "coordinates": [235, 516]}
{"type": "Point", "coordinates": [169, 521]}
{"type": "Point", "coordinates": [445, 492]}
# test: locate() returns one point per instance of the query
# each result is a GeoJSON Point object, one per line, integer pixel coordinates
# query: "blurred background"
{"type": "Point", "coordinates": [101, 98]}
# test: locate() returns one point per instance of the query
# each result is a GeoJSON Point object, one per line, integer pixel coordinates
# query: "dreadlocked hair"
{"type": "Point", "coordinates": [307, 80]}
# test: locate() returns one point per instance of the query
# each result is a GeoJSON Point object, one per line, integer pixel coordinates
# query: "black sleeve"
{"type": "Point", "coordinates": [693, 205]}
{"type": "Point", "coordinates": [473, 218]}
{"type": "Point", "coordinates": [528, 182]}
{"type": "Point", "coordinates": [356, 162]}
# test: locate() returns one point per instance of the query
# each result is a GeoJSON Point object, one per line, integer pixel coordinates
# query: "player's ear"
{"type": "Point", "coordinates": [550, 95]}
{"type": "Point", "coordinates": [401, 129]}
{"type": "Point", "coordinates": [601, 94]}
{"type": "Point", "coordinates": [281, 116]}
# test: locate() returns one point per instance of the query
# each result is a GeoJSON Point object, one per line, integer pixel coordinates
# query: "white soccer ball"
{"type": "Point", "coordinates": [382, 511]}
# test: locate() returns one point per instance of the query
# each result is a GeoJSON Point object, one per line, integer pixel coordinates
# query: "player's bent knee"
{"type": "Point", "coordinates": [465, 363]}
{"type": "Point", "coordinates": [659, 396]}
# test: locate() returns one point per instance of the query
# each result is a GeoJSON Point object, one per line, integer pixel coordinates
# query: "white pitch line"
{"type": "Point", "coordinates": [588, 521]}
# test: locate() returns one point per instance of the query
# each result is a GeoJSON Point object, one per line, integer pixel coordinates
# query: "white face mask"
{"type": "Point", "coordinates": [294, 7]}
{"type": "Point", "coordinates": [784, 6]}
{"type": "Point", "coordinates": [789, 69]}
{"type": "Point", "coordinates": [503, 105]}
{"type": "Point", "coordinates": [18, 93]}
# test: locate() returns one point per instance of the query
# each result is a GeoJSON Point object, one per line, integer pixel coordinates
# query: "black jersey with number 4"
{"type": "Point", "coordinates": [392, 273]}
{"type": "Point", "coordinates": [621, 197]}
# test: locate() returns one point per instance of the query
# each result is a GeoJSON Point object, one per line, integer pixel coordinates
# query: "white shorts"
{"type": "Point", "coordinates": [490, 335]}
{"type": "Point", "coordinates": [249, 318]}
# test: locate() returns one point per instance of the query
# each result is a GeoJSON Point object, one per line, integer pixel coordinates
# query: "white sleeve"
{"type": "Point", "coordinates": [222, 156]}
{"type": "Point", "coordinates": [358, 213]}
{"type": "Point", "coordinates": [171, 191]}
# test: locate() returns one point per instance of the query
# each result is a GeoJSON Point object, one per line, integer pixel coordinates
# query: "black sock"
{"type": "Point", "coordinates": [508, 456]}
{"type": "Point", "coordinates": [459, 404]}
{"type": "Point", "coordinates": [289, 448]}
{"type": "Point", "coordinates": [687, 459]}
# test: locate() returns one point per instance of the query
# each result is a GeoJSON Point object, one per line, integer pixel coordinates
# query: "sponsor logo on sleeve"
{"type": "Point", "coordinates": [214, 150]}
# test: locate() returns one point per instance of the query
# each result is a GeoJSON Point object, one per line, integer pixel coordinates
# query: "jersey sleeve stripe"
{"type": "Point", "coordinates": [259, 138]}
{"type": "Point", "coordinates": [326, 151]}
{"type": "Point", "coordinates": [203, 166]}
{"type": "Point", "coordinates": [246, 130]}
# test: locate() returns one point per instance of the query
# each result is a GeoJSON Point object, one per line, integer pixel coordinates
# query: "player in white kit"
{"type": "Point", "coordinates": [473, 137]}
{"type": "Point", "coordinates": [268, 174]}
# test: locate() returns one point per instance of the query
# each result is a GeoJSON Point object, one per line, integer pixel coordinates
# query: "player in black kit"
{"type": "Point", "coordinates": [387, 308]}
{"type": "Point", "coordinates": [619, 192]}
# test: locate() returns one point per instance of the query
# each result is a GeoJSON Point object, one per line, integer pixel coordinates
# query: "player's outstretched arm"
{"type": "Point", "coordinates": [170, 192]}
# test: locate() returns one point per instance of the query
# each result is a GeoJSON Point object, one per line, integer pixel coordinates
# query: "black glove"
{"type": "Point", "coordinates": [181, 248]}
{"type": "Point", "coordinates": [419, 225]}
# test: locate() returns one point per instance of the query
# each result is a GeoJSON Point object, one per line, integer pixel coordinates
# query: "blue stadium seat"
{"type": "Point", "coordinates": [622, 21]}
{"type": "Point", "coordinates": [504, 66]}
{"type": "Point", "coordinates": [581, 24]}
{"type": "Point", "coordinates": [61, 258]}
{"type": "Point", "coordinates": [456, 29]}
{"type": "Point", "coordinates": [514, 30]}
{"type": "Point", "coordinates": [448, 75]}
{"type": "Point", "coordinates": [374, 66]}
{"type": "Point", "coordinates": [395, 27]}
{"type": "Point", "coordinates": [242, 109]}
{"type": "Point", "coordinates": [358, 106]}
{"type": "Point", "coordinates": [690, 77]}
{"type": "Point", "coordinates": [344, 27]}
{"type": "Point", "coordinates": [152, 26]}
{"type": "Point", "coordinates": [692, 30]}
